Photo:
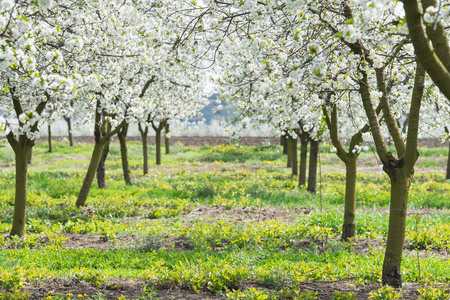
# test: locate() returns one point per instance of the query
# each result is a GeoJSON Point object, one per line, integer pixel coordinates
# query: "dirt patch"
{"type": "Point", "coordinates": [81, 241]}
{"type": "Point", "coordinates": [247, 214]}
{"type": "Point", "coordinates": [111, 289]}
{"type": "Point", "coordinates": [325, 290]}
{"type": "Point", "coordinates": [137, 288]}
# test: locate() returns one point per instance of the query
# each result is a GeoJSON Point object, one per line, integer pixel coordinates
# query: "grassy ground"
{"type": "Point", "coordinates": [223, 222]}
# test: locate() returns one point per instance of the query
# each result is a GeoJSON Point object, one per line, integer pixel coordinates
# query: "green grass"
{"type": "Point", "coordinates": [220, 254]}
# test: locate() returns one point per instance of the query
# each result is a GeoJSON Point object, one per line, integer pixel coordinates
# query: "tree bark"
{"type": "Point", "coordinates": [103, 134]}
{"type": "Point", "coordinates": [283, 142]}
{"type": "Point", "coordinates": [434, 58]}
{"type": "Point", "coordinates": [400, 172]}
{"type": "Point", "coordinates": [90, 174]}
{"type": "Point", "coordinates": [30, 156]}
{"type": "Point", "coordinates": [122, 135]}
{"type": "Point", "coordinates": [447, 176]}
{"type": "Point", "coordinates": [400, 169]}
{"type": "Point", "coordinates": [289, 152]}
{"type": "Point", "coordinates": [158, 146]}
{"type": "Point", "coordinates": [49, 136]}
{"type": "Point", "coordinates": [69, 129]}
{"type": "Point", "coordinates": [167, 138]}
{"type": "Point", "coordinates": [158, 129]}
{"type": "Point", "coordinates": [400, 184]}
{"type": "Point", "coordinates": [294, 156]}
{"type": "Point", "coordinates": [22, 149]}
{"type": "Point", "coordinates": [312, 175]}
{"type": "Point", "coordinates": [349, 158]}
{"type": "Point", "coordinates": [348, 228]}
{"type": "Point", "coordinates": [303, 157]}
{"type": "Point", "coordinates": [144, 136]}
{"type": "Point", "coordinates": [101, 169]}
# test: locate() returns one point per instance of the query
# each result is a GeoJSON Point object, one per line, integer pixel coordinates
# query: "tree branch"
{"type": "Point", "coordinates": [411, 154]}
{"type": "Point", "coordinates": [428, 58]}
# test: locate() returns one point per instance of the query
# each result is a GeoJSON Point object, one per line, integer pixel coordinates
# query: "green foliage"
{"type": "Point", "coordinates": [429, 236]}
{"type": "Point", "coordinates": [94, 277]}
{"type": "Point", "coordinates": [308, 295]}
{"type": "Point", "coordinates": [14, 280]}
{"type": "Point", "coordinates": [149, 243]}
{"type": "Point", "coordinates": [338, 295]}
{"type": "Point", "coordinates": [233, 152]}
{"type": "Point", "coordinates": [206, 190]}
{"type": "Point", "coordinates": [14, 294]}
{"type": "Point", "coordinates": [264, 229]}
{"type": "Point", "coordinates": [6, 154]}
{"type": "Point", "coordinates": [433, 293]}
{"type": "Point", "coordinates": [385, 293]}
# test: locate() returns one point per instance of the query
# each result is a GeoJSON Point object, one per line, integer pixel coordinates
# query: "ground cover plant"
{"type": "Point", "coordinates": [217, 222]}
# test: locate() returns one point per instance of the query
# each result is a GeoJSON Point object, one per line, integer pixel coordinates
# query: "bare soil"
{"type": "Point", "coordinates": [136, 289]}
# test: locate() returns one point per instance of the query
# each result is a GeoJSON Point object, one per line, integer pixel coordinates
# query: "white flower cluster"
{"type": "Point", "coordinates": [434, 14]}
{"type": "Point", "coordinates": [357, 149]}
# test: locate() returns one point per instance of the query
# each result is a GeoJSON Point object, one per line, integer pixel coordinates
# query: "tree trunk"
{"type": "Point", "coordinates": [447, 176]}
{"type": "Point", "coordinates": [294, 156]}
{"type": "Point", "coordinates": [167, 138]}
{"type": "Point", "coordinates": [101, 171]}
{"type": "Point", "coordinates": [400, 184]}
{"type": "Point", "coordinates": [289, 152]}
{"type": "Point", "coordinates": [122, 134]}
{"type": "Point", "coordinates": [283, 142]}
{"type": "Point", "coordinates": [158, 146]}
{"type": "Point", "coordinates": [103, 133]}
{"type": "Point", "coordinates": [30, 156]}
{"type": "Point", "coordinates": [20, 200]}
{"type": "Point", "coordinates": [348, 228]}
{"type": "Point", "coordinates": [303, 157]}
{"type": "Point", "coordinates": [144, 149]}
{"type": "Point", "coordinates": [69, 129]}
{"type": "Point", "coordinates": [49, 136]}
{"type": "Point", "coordinates": [22, 151]}
{"type": "Point", "coordinates": [312, 175]}
{"type": "Point", "coordinates": [90, 175]}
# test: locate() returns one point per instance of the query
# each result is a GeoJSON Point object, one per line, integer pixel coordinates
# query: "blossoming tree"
{"type": "Point", "coordinates": [38, 58]}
